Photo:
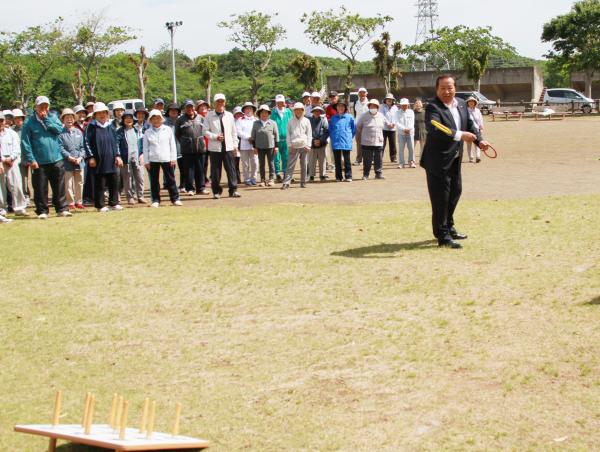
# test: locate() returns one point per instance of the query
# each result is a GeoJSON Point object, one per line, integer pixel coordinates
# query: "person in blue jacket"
{"type": "Point", "coordinates": [40, 149]}
{"type": "Point", "coordinates": [341, 131]}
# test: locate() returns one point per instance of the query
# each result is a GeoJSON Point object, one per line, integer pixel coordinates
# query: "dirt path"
{"type": "Point", "coordinates": [536, 159]}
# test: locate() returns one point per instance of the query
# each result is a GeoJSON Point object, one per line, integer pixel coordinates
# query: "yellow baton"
{"type": "Point", "coordinates": [442, 128]}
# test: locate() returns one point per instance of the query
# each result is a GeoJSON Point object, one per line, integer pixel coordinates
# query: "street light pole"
{"type": "Point", "coordinates": [171, 27]}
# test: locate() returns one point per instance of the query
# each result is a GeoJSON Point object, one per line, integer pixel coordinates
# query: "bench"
{"type": "Point", "coordinates": [508, 113]}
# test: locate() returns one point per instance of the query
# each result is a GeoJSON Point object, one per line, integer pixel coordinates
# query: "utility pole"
{"type": "Point", "coordinates": [171, 26]}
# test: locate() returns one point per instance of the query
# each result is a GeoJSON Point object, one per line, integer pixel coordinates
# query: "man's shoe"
{"type": "Point", "coordinates": [117, 207]}
{"type": "Point", "coordinates": [365, 178]}
{"type": "Point", "coordinates": [235, 194]}
{"type": "Point", "coordinates": [379, 176]}
{"type": "Point", "coordinates": [103, 209]}
{"type": "Point", "coordinates": [458, 236]}
{"type": "Point", "coordinates": [43, 216]}
{"type": "Point", "coordinates": [155, 205]}
{"type": "Point", "coordinates": [449, 244]}
{"type": "Point", "coordinates": [279, 179]}
{"type": "Point", "coordinates": [64, 213]}
{"type": "Point", "coordinates": [285, 186]}
{"type": "Point", "coordinates": [216, 196]}
{"type": "Point", "coordinates": [177, 203]}
{"type": "Point", "coordinates": [5, 220]}
{"type": "Point", "coordinates": [142, 201]}
{"type": "Point", "coordinates": [21, 213]}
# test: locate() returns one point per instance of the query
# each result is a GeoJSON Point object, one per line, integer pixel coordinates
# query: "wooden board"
{"type": "Point", "coordinates": [105, 436]}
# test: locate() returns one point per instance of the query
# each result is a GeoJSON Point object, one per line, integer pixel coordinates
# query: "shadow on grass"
{"type": "Point", "coordinates": [592, 302]}
{"type": "Point", "coordinates": [384, 250]}
{"type": "Point", "coordinates": [70, 447]}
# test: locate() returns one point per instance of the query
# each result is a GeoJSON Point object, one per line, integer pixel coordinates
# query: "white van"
{"type": "Point", "coordinates": [130, 104]}
{"type": "Point", "coordinates": [568, 95]}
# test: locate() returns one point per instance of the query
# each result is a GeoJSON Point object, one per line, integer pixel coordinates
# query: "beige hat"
{"type": "Point", "coordinates": [67, 111]}
{"type": "Point", "coordinates": [155, 112]}
{"type": "Point", "coordinates": [298, 106]}
{"type": "Point", "coordinates": [219, 96]}
{"type": "Point", "coordinates": [404, 101]}
{"type": "Point", "coordinates": [389, 96]}
{"type": "Point", "coordinates": [100, 106]}
{"type": "Point", "coordinates": [18, 113]}
{"type": "Point", "coordinates": [373, 102]}
{"type": "Point", "coordinates": [263, 107]}
{"type": "Point", "coordinates": [472, 99]}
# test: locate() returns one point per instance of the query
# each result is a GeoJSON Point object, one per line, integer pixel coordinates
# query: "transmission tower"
{"type": "Point", "coordinates": [428, 20]}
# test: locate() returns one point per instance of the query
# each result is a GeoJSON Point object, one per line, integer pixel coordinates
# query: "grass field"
{"type": "Point", "coordinates": [306, 327]}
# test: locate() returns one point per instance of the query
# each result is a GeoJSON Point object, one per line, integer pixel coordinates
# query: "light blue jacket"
{"type": "Point", "coordinates": [341, 131]}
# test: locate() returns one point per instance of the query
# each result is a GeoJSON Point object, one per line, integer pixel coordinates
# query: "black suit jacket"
{"type": "Point", "coordinates": [440, 149]}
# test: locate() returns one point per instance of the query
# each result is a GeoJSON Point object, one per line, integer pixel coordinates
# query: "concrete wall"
{"type": "Point", "coordinates": [506, 84]}
{"type": "Point", "coordinates": [578, 83]}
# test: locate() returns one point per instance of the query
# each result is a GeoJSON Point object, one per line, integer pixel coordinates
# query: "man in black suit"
{"type": "Point", "coordinates": [442, 157]}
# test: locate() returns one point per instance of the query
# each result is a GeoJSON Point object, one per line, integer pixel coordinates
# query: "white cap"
{"type": "Point", "coordinates": [298, 106]}
{"type": "Point", "coordinates": [118, 105]}
{"type": "Point", "coordinates": [404, 101]}
{"type": "Point", "coordinates": [373, 102]}
{"type": "Point", "coordinates": [316, 94]}
{"type": "Point", "coordinates": [219, 96]}
{"type": "Point", "coordinates": [155, 112]}
{"type": "Point", "coordinates": [390, 96]}
{"type": "Point", "coordinates": [100, 106]}
{"type": "Point", "coordinates": [305, 94]}
{"type": "Point", "coordinates": [237, 110]}
{"type": "Point", "coordinates": [78, 108]}
{"type": "Point", "coordinates": [18, 113]}
{"type": "Point", "coordinates": [7, 113]}
{"type": "Point", "coordinates": [362, 89]}
{"type": "Point", "coordinates": [41, 100]}
{"type": "Point", "coordinates": [280, 98]}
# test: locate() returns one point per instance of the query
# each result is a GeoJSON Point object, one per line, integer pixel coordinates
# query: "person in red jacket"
{"type": "Point", "coordinates": [331, 108]}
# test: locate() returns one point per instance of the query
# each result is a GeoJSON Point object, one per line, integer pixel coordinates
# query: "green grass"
{"type": "Point", "coordinates": [306, 327]}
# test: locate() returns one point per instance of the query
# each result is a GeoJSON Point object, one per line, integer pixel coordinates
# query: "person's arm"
{"type": "Point", "coordinates": [411, 121]}
{"type": "Point", "coordinates": [61, 146]}
{"type": "Point", "coordinates": [207, 132]}
{"type": "Point", "coordinates": [253, 132]}
{"type": "Point", "coordinates": [289, 133]}
{"type": "Point", "coordinates": [145, 150]}
{"type": "Point", "coordinates": [172, 147]}
{"type": "Point", "coordinates": [26, 150]}
{"type": "Point", "coordinates": [324, 131]}
{"type": "Point", "coordinates": [276, 133]}
{"type": "Point", "coordinates": [53, 124]}
{"type": "Point", "coordinates": [307, 132]}
{"type": "Point", "coordinates": [353, 127]}
{"type": "Point", "coordinates": [432, 113]}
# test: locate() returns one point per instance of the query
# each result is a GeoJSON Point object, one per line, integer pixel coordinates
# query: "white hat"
{"type": "Point", "coordinates": [373, 102]}
{"type": "Point", "coordinates": [100, 106]}
{"type": "Point", "coordinates": [118, 106]}
{"type": "Point", "coordinates": [404, 101]}
{"type": "Point", "coordinates": [78, 108]}
{"type": "Point", "coordinates": [89, 104]}
{"type": "Point", "coordinates": [237, 110]}
{"type": "Point", "coordinates": [155, 112]}
{"type": "Point", "coordinates": [1, 115]}
{"type": "Point", "coordinates": [219, 96]}
{"type": "Point", "coordinates": [249, 104]}
{"type": "Point", "coordinates": [298, 106]}
{"type": "Point", "coordinates": [305, 94]}
{"type": "Point", "coordinates": [316, 94]}
{"type": "Point", "coordinates": [18, 113]}
{"type": "Point", "coordinates": [41, 100]}
{"type": "Point", "coordinates": [318, 108]}
{"type": "Point", "coordinates": [7, 113]}
{"type": "Point", "coordinates": [390, 96]}
{"type": "Point", "coordinates": [280, 98]}
{"type": "Point", "coordinates": [362, 89]}
{"type": "Point", "coordinates": [67, 111]}
{"type": "Point", "coordinates": [264, 107]}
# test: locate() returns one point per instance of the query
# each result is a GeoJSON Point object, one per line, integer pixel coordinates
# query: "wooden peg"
{"type": "Point", "coordinates": [90, 417]}
{"type": "Point", "coordinates": [176, 423]}
{"type": "Point", "coordinates": [144, 419]}
{"type": "Point", "coordinates": [151, 420]}
{"type": "Point", "coordinates": [57, 403]}
{"type": "Point", "coordinates": [119, 412]}
{"type": "Point", "coordinates": [113, 410]}
{"type": "Point", "coordinates": [86, 408]}
{"type": "Point", "coordinates": [124, 420]}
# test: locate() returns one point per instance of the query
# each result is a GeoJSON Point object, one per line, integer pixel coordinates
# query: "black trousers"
{"type": "Point", "coordinates": [194, 167]}
{"type": "Point", "coordinates": [101, 183]}
{"type": "Point", "coordinates": [338, 154]}
{"type": "Point", "coordinates": [269, 156]}
{"type": "Point", "coordinates": [370, 154]}
{"type": "Point", "coordinates": [88, 183]}
{"type": "Point", "coordinates": [182, 171]}
{"type": "Point", "coordinates": [218, 160]}
{"type": "Point", "coordinates": [444, 192]}
{"type": "Point", "coordinates": [53, 173]}
{"type": "Point", "coordinates": [168, 176]}
{"type": "Point", "coordinates": [389, 137]}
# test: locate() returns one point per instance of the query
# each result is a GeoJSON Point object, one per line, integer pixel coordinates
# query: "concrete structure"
{"type": "Point", "coordinates": [578, 83]}
{"type": "Point", "coordinates": [506, 84]}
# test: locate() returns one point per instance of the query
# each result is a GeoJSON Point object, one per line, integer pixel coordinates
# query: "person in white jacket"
{"type": "Point", "coordinates": [219, 128]}
{"type": "Point", "coordinates": [10, 174]}
{"type": "Point", "coordinates": [160, 151]}
{"type": "Point", "coordinates": [299, 140]}
{"type": "Point", "coordinates": [477, 119]}
{"type": "Point", "coordinates": [249, 158]}
{"type": "Point", "coordinates": [405, 124]}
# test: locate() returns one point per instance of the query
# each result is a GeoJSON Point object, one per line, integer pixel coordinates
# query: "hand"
{"type": "Point", "coordinates": [318, 143]}
{"type": "Point", "coordinates": [468, 137]}
{"type": "Point", "coordinates": [34, 165]}
{"type": "Point", "coordinates": [92, 162]}
{"type": "Point", "coordinates": [220, 137]}
{"type": "Point", "coordinates": [275, 150]}
{"type": "Point", "coordinates": [484, 145]}
{"type": "Point", "coordinates": [173, 163]}
{"type": "Point", "coordinates": [73, 160]}
{"type": "Point", "coordinates": [147, 165]}
{"type": "Point", "coordinates": [255, 151]}
{"type": "Point", "coordinates": [1, 169]}
{"type": "Point", "coordinates": [8, 163]}
{"type": "Point", "coordinates": [78, 160]}
{"type": "Point", "coordinates": [406, 131]}
{"type": "Point", "coordinates": [118, 162]}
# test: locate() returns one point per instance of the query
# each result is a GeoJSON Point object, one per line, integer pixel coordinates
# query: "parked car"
{"type": "Point", "coordinates": [130, 104]}
{"type": "Point", "coordinates": [485, 105]}
{"type": "Point", "coordinates": [567, 96]}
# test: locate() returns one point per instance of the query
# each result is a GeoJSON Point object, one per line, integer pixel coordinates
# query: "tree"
{"type": "Point", "coordinates": [78, 88]}
{"type": "Point", "coordinates": [257, 36]}
{"type": "Point", "coordinates": [343, 33]}
{"type": "Point", "coordinates": [306, 70]}
{"type": "Point", "coordinates": [206, 68]}
{"type": "Point", "coordinates": [89, 45]}
{"type": "Point", "coordinates": [141, 65]}
{"type": "Point", "coordinates": [28, 58]}
{"type": "Point", "coordinates": [575, 39]}
{"type": "Point", "coordinates": [387, 61]}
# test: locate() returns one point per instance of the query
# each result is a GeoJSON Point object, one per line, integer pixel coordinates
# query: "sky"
{"type": "Point", "coordinates": [519, 22]}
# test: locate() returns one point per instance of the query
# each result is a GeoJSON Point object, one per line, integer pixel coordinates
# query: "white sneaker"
{"type": "Point", "coordinates": [43, 216]}
{"type": "Point", "coordinates": [103, 210]}
{"type": "Point", "coordinates": [117, 207]}
{"type": "Point", "coordinates": [64, 213]}
{"type": "Point", "coordinates": [3, 212]}
{"type": "Point", "coordinates": [178, 203]}
{"type": "Point", "coordinates": [5, 220]}
{"type": "Point", "coordinates": [20, 213]}
{"type": "Point", "coordinates": [155, 205]}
